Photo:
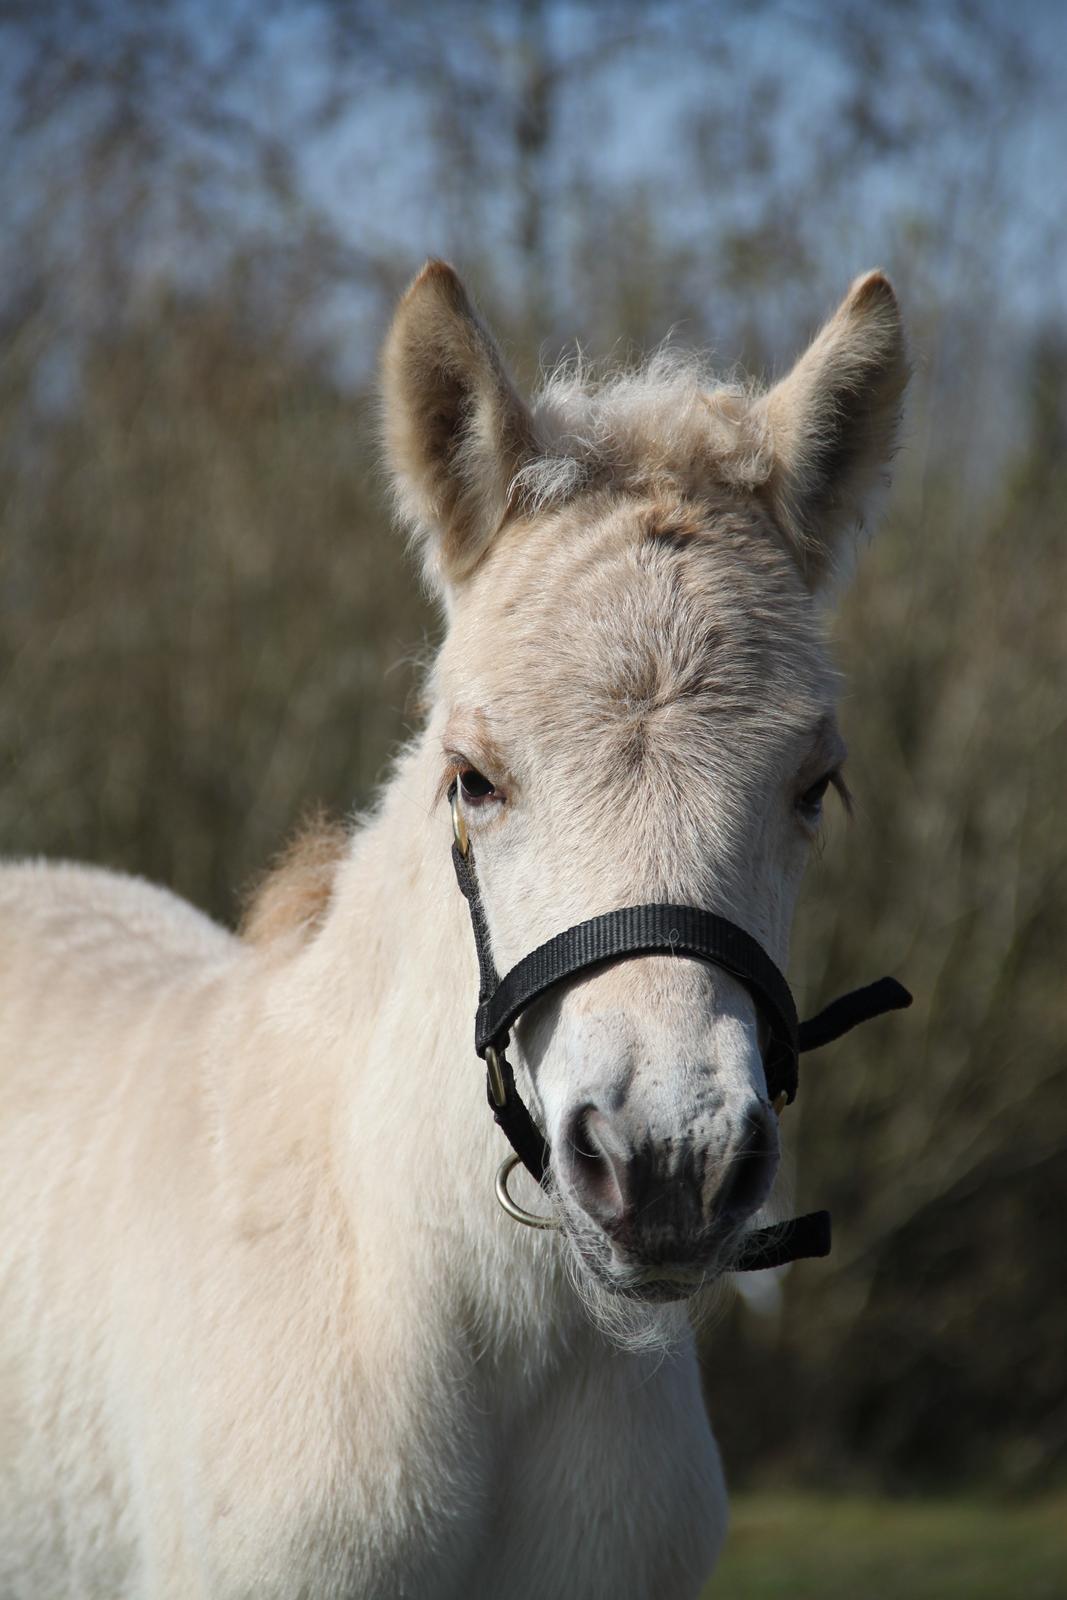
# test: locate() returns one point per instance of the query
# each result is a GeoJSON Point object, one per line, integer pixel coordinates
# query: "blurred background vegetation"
{"type": "Point", "coordinates": [206, 623]}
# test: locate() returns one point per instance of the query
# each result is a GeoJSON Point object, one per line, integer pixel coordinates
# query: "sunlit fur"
{"type": "Point", "coordinates": [670, 422]}
{"type": "Point", "coordinates": [265, 1330]}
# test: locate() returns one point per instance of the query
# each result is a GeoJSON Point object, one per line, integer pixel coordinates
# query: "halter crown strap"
{"type": "Point", "coordinates": [509, 1113]}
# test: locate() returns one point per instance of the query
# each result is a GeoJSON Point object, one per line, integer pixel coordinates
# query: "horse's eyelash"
{"type": "Point", "coordinates": [837, 779]}
{"type": "Point", "coordinates": [455, 763]}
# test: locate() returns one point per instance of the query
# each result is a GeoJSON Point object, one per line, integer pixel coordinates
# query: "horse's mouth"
{"type": "Point", "coordinates": [656, 1285]}
{"type": "Point", "coordinates": [663, 1282]}
{"type": "Point", "coordinates": [651, 1282]}
{"type": "Point", "coordinates": [659, 1285]}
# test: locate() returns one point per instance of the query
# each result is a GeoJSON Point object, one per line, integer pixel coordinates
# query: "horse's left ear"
{"type": "Point", "coordinates": [832, 424]}
{"type": "Point", "coordinates": [456, 432]}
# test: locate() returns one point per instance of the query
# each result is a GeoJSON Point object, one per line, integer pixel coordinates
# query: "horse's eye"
{"type": "Point", "coordinates": [809, 804]}
{"type": "Point", "coordinates": [475, 786]}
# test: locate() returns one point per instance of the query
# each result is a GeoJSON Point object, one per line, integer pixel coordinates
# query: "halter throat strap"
{"type": "Point", "coordinates": [667, 930]}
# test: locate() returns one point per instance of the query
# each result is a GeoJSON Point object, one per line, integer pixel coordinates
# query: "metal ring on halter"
{"type": "Point", "coordinates": [516, 1212]}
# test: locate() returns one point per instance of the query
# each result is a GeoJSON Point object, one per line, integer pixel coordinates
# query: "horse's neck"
{"type": "Point", "coordinates": [395, 970]}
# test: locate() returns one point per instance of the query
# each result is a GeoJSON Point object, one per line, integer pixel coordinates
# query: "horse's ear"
{"type": "Point", "coordinates": [832, 424]}
{"type": "Point", "coordinates": [456, 432]}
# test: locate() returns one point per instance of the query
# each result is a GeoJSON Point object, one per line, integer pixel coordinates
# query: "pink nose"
{"type": "Point", "coordinates": [671, 1197]}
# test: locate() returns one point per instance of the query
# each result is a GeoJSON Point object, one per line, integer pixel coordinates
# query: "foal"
{"type": "Point", "coordinates": [265, 1330]}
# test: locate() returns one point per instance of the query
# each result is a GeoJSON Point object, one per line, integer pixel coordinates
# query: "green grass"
{"type": "Point", "coordinates": [816, 1548]}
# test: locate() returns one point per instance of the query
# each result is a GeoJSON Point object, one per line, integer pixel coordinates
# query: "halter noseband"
{"type": "Point", "coordinates": [651, 930]}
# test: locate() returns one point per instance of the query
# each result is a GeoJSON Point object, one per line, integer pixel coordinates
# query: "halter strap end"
{"type": "Point", "coordinates": [799, 1239]}
{"type": "Point", "coordinates": [849, 1010]}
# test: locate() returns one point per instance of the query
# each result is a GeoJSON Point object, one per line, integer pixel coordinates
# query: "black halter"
{"type": "Point", "coordinates": [665, 930]}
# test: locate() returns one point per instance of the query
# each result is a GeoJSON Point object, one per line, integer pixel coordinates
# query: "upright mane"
{"type": "Point", "coordinates": [669, 422]}
{"type": "Point", "coordinates": [296, 892]}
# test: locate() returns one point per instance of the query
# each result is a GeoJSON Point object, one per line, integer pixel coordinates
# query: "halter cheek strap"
{"type": "Point", "coordinates": [653, 930]}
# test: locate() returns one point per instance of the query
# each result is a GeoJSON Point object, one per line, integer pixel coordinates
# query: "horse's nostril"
{"type": "Point", "coordinates": [751, 1165]}
{"type": "Point", "coordinates": [596, 1162]}
{"type": "Point", "coordinates": [664, 1195]}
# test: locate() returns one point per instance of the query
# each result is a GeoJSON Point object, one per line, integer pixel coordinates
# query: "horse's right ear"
{"type": "Point", "coordinates": [456, 432]}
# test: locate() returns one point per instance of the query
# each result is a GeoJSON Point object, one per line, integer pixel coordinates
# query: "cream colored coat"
{"type": "Point", "coordinates": [264, 1329]}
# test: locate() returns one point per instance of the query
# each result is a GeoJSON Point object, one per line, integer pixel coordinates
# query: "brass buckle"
{"type": "Point", "coordinates": [518, 1214]}
{"type": "Point", "coordinates": [497, 1086]}
{"type": "Point", "coordinates": [459, 826]}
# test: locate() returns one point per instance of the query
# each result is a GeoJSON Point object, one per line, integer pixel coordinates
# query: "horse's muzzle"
{"type": "Point", "coordinates": [672, 1203]}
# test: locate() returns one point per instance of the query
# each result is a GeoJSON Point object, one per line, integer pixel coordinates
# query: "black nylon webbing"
{"type": "Point", "coordinates": [859, 1005]}
{"type": "Point", "coordinates": [517, 1125]}
{"type": "Point", "coordinates": [512, 1118]}
{"type": "Point", "coordinates": [796, 1240]}
{"type": "Point", "coordinates": [644, 930]}
{"type": "Point", "coordinates": [487, 973]}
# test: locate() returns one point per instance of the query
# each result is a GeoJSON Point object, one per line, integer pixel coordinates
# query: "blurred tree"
{"type": "Point", "coordinates": [203, 609]}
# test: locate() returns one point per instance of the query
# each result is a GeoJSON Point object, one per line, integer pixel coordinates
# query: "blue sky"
{"type": "Point", "coordinates": [972, 207]}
